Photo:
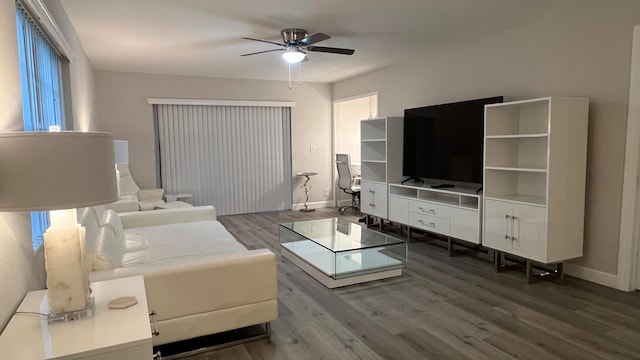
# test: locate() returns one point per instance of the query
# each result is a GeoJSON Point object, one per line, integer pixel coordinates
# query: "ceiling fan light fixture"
{"type": "Point", "coordinates": [293, 55]}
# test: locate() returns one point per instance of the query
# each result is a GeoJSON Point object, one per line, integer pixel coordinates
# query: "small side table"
{"type": "Point", "coordinates": [110, 334]}
{"type": "Point", "coordinates": [306, 188]}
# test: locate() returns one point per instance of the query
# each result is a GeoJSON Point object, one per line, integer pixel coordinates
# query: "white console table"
{"type": "Point", "coordinates": [453, 212]}
{"type": "Point", "coordinates": [109, 335]}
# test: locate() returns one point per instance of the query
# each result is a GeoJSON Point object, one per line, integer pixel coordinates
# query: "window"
{"type": "Point", "coordinates": [41, 92]}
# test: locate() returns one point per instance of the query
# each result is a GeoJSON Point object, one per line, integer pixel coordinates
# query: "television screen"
{"type": "Point", "coordinates": [445, 142]}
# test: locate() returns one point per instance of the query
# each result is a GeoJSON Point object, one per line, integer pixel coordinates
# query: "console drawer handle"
{"type": "Point", "coordinates": [430, 224]}
{"type": "Point", "coordinates": [154, 324]}
{"type": "Point", "coordinates": [430, 211]}
{"type": "Point", "coordinates": [516, 221]}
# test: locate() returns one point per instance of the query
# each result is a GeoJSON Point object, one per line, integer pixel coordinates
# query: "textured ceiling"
{"type": "Point", "coordinates": [203, 37]}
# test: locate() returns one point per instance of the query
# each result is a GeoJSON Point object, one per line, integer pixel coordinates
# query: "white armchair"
{"type": "Point", "coordinates": [132, 198]}
{"type": "Point", "coordinates": [150, 199]}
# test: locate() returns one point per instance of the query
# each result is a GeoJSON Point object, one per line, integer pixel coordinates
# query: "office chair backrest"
{"type": "Point", "coordinates": [344, 171]}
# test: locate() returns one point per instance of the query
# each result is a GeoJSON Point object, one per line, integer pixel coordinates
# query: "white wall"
{"type": "Point", "coordinates": [20, 270]}
{"type": "Point", "coordinates": [123, 109]}
{"type": "Point", "coordinates": [581, 49]}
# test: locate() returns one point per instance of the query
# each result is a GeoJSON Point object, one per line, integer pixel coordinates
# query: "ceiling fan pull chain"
{"type": "Point", "coordinates": [300, 73]}
{"type": "Point", "coordinates": [289, 66]}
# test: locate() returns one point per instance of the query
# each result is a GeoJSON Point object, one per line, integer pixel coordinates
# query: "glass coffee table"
{"type": "Point", "coordinates": [340, 253]}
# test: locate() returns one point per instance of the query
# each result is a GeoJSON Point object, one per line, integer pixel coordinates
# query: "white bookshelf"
{"type": "Point", "coordinates": [381, 162]}
{"type": "Point", "coordinates": [534, 177]}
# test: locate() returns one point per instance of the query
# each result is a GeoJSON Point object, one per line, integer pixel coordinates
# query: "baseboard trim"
{"type": "Point", "coordinates": [314, 205]}
{"type": "Point", "coordinates": [596, 276]}
{"type": "Point", "coordinates": [344, 202]}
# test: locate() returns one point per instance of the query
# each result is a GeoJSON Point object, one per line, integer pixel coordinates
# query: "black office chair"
{"type": "Point", "coordinates": [347, 182]}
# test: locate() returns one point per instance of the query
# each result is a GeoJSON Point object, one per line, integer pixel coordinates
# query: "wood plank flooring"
{"type": "Point", "coordinates": [441, 308]}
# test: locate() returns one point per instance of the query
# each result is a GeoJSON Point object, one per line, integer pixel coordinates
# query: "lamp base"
{"type": "Point", "coordinates": [85, 313]}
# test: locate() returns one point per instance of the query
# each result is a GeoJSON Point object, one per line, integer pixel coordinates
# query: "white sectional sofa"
{"type": "Point", "coordinates": [199, 280]}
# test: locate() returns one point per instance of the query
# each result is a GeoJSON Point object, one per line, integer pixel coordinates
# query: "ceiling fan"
{"type": "Point", "coordinates": [296, 43]}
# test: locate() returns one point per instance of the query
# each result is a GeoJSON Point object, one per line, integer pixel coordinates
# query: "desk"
{"type": "Point", "coordinates": [306, 188]}
{"type": "Point", "coordinates": [109, 335]}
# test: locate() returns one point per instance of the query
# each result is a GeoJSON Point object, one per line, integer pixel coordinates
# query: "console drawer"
{"type": "Point", "coordinates": [465, 225]}
{"type": "Point", "coordinates": [431, 209]}
{"type": "Point", "coordinates": [429, 223]}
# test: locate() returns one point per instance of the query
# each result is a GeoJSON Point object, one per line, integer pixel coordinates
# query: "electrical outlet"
{"type": "Point", "coordinates": [325, 192]}
{"type": "Point", "coordinates": [312, 148]}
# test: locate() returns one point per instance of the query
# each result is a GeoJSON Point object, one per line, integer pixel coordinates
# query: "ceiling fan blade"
{"type": "Point", "coordinates": [261, 52]}
{"type": "Point", "coordinates": [317, 37]}
{"type": "Point", "coordinates": [265, 41]}
{"type": "Point", "coordinates": [331, 50]}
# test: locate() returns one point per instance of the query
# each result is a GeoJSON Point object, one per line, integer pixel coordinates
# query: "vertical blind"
{"type": "Point", "coordinates": [236, 158]}
{"type": "Point", "coordinates": [41, 93]}
{"type": "Point", "coordinates": [39, 76]}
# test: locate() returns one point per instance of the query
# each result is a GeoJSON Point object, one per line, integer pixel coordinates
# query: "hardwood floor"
{"type": "Point", "coordinates": [440, 308]}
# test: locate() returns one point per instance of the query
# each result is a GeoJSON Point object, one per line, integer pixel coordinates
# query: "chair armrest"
{"type": "Point", "coordinates": [357, 179]}
{"type": "Point", "coordinates": [150, 194]}
{"type": "Point", "coordinates": [167, 216]}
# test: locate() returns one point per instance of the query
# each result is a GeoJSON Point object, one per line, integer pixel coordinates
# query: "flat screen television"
{"type": "Point", "coordinates": [445, 142]}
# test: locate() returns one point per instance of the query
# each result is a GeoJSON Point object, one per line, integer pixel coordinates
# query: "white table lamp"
{"type": "Point", "coordinates": [59, 171]}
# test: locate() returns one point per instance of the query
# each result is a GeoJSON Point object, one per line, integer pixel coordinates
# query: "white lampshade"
{"type": "Point", "coordinates": [121, 151]}
{"type": "Point", "coordinates": [293, 55]}
{"type": "Point", "coordinates": [56, 170]}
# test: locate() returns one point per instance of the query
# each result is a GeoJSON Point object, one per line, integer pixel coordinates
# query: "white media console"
{"type": "Point", "coordinates": [534, 183]}
{"type": "Point", "coordinates": [453, 212]}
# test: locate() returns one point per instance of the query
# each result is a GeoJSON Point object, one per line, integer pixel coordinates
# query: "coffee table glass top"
{"type": "Point", "coordinates": [339, 249]}
{"type": "Point", "coordinates": [340, 235]}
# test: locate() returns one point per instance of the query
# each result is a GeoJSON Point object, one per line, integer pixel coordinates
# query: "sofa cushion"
{"type": "Point", "coordinates": [88, 219]}
{"type": "Point", "coordinates": [147, 245]}
{"type": "Point", "coordinates": [150, 194]}
{"type": "Point", "coordinates": [127, 185]}
{"type": "Point", "coordinates": [99, 210]}
{"type": "Point", "coordinates": [112, 220]}
{"type": "Point", "coordinates": [109, 250]}
{"type": "Point", "coordinates": [150, 204]}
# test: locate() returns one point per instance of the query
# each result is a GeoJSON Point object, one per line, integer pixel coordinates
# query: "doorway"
{"type": "Point", "coordinates": [347, 114]}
